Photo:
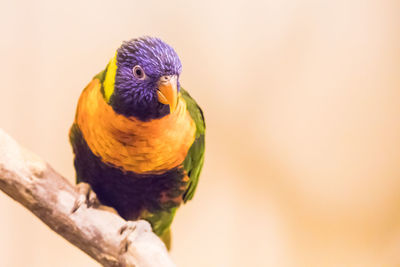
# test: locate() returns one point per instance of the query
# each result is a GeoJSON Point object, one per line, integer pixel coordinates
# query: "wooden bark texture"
{"type": "Point", "coordinates": [96, 231]}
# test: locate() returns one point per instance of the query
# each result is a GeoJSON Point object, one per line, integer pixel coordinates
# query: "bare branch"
{"type": "Point", "coordinates": [33, 183]}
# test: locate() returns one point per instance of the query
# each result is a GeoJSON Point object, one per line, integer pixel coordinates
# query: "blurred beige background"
{"type": "Point", "coordinates": [302, 101]}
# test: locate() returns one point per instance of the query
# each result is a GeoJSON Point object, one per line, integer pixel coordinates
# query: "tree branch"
{"type": "Point", "coordinates": [33, 183]}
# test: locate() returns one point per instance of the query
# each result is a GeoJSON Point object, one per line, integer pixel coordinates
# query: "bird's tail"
{"type": "Point", "coordinates": [166, 238]}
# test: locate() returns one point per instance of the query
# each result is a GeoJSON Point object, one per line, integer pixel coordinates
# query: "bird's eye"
{"type": "Point", "coordinates": [138, 72]}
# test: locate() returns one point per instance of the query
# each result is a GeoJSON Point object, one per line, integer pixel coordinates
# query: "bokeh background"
{"type": "Point", "coordinates": [302, 101]}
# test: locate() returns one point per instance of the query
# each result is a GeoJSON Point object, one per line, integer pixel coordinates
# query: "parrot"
{"type": "Point", "coordinates": [138, 137]}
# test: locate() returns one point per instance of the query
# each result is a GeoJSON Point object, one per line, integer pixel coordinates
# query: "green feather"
{"type": "Point", "coordinates": [194, 160]}
{"type": "Point", "coordinates": [101, 75]}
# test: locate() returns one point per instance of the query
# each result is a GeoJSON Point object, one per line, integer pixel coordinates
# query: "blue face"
{"type": "Point", "coordinates": [141, 63]}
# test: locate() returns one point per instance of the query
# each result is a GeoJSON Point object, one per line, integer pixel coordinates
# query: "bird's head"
{"type": "Point", "coordinates": [142, 80]}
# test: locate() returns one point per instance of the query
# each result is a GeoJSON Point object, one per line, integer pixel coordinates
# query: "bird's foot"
{"type": "Point", "coordinates": [125, 231]}
{"type": "Point", "coordinates": [87, 197]}
{"type": "Point", "coordinates": [136, 227]}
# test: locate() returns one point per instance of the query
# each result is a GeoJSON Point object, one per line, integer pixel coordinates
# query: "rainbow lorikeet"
{"type": "Point", "coordinates": [138, 137]}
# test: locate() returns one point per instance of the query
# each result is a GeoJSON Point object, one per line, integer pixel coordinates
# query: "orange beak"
{"type": "Point", "coordinates": [168, 92]}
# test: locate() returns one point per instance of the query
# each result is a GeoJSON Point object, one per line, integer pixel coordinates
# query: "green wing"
{"type": "Point", "coordinates": [194, 160]}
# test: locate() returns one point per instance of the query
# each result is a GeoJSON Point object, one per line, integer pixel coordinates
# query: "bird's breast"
{"type": "Point", "coordinates": [130, 144]}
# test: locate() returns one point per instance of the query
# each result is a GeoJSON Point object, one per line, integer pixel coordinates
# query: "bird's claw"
{"type": "Point", "coordinates": [87, 197]}
{"type": "Point", "coordinates": [126, 230]}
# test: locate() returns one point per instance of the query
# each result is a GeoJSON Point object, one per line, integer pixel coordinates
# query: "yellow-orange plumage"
{"type": "Point", "coordinates": [138, 136]}
{"type": "Point", "coordinates": [130, 144]}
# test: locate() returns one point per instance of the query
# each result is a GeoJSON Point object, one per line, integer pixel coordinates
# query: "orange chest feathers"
{"type": "Point", "coordinates": [130, 144]}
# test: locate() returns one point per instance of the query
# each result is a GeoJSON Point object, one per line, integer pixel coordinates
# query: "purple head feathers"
{"type": "Point", "coordinates": [136, 94]}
